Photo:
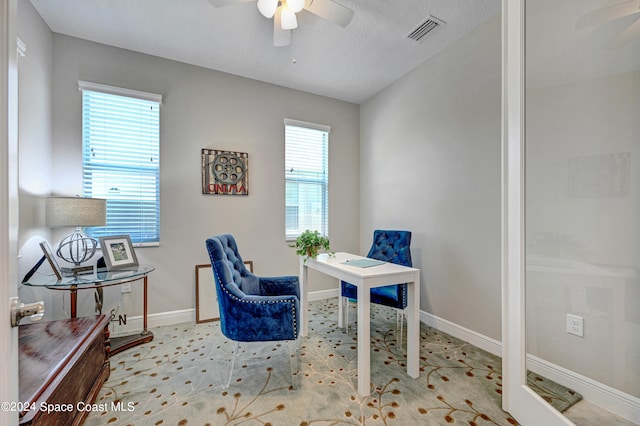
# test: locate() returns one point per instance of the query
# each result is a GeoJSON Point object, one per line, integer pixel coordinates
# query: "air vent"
{"type": "Point", "coordinates": [425, 27]}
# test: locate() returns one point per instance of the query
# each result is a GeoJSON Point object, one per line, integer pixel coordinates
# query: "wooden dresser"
{"type": "Point", "coordinates": [63, 365]}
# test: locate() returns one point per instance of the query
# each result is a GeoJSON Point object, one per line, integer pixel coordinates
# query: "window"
{"type": "Point", "coordinates": [121, 159]}
{"type": "Point", "coordinates": [306, 178]}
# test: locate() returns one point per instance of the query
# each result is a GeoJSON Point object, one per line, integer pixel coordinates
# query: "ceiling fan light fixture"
{"type": "Point", "coordinates": [295, 5]}
{"type": "Point", "coordinates": [289, 20]}
{"type": "Point", "coordinates": [267, 7]}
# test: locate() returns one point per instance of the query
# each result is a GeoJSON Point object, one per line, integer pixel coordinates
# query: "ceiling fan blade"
{"type": "Point", "coordinates": [330, 10]}
{"type": "Point", "coordinates": [609, 13]}
{"type": "Point", "coordinates": [223, 3]}
{"type": "Point", "coordinates": [280, 37]}
{"type": "Point", "coordinates": [625, 37]}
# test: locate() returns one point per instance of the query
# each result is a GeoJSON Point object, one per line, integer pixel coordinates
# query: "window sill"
{"type": "Point", "coordinates": [142, 245]}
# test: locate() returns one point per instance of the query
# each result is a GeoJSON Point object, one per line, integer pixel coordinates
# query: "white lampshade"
{"type": "Point", "coordinates": [295, 5]}
{"type": "Point", "coordinates": [76, 212]}
{"type": "Point", "coordinates": [289, 21]}
{"type": "Point", "coordinates": [267, 7]}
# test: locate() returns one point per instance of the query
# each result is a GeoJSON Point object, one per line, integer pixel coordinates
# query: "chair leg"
{"type": "Point", "coordinates": [345, 310]}
{"type": "Point", "coordinates": [294, 350]}
{"type": "Point", "coordinates": [400, 326]}
{"type": "Point", "coordinates": [230, 361]}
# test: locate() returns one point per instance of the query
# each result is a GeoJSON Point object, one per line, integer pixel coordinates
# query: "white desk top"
{"type": "Point", "coordinates": [336, 262]}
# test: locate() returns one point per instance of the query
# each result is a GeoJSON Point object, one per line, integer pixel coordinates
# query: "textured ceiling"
{"type": "Point", "coordinates": [350, 64]}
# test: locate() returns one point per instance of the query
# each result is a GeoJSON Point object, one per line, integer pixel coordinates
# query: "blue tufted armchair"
{"type": "Point", "coordinates": [252, 308]}
{"type": "Point", "coordinates": [389, 246]}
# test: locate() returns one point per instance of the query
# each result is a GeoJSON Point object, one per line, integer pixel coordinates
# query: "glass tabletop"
{"type": "Point", "coordinates": [99, 277]}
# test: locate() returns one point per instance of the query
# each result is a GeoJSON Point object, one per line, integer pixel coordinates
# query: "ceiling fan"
{"type": "Point", "coordinates": [284, 12]}
{"type": "Point", "coordinates": [612, 13]}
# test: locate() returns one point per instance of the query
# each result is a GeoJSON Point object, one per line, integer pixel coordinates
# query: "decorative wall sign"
{"type": "Point", "coordinates": [225, 172]}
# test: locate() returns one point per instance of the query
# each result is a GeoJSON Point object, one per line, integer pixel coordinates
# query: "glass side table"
{"type": "Point", "coordinates": [99, 279]}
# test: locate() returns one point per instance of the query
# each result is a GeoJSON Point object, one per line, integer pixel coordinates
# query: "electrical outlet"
{"type": "Point", "coordinates": [575, 325]}
{"type": "Point", "coordinates": [125, 288]}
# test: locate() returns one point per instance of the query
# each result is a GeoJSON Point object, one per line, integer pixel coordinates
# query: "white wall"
{"type": "Point", "coordinates": [207, 109]}
{"type": "Point", "coordinates": [430, 163]}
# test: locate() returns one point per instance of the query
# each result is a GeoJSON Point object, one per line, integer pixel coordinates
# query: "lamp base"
{"type": "Point", "coordinates": [77, 248]}
{"type": "Point", "coordinates": [77, 270]}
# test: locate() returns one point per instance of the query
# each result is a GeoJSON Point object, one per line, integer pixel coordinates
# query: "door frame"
{"type": "Point", "coordinates": [518, 399]}
{"type": "Point", "coordinates": [8, 205]}
{"type": "Point", "coordinates": [527, 407]}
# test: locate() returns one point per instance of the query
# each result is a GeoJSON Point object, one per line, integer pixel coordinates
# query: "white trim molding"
{"type": "Point", "coordinates": [611, 399]}
{"type": "Point", "coordinates": [135, 324]}
{"type": "Point", "coordinates": [527, 407]}
{"type": "Point", "coordinates": [120, 91]}
{"type": "Point", "coordinates": [298, 123]}
{"type": "Point", "coordinates": [324, 294]}
{"type": "Point", "coordinates": [9, 198]}
{"type": "Point", "coordinates": [476, 339]}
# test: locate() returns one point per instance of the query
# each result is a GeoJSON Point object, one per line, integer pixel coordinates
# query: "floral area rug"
{"type": "Point", "coordinates": [176, 378]}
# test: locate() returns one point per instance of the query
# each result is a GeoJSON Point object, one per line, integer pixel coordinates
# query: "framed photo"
{"type": "Point", "coordinates": [206, 296]}
{"type": "Point", "coordinates": [52, 260]}
{"type": "Point", "coordinates": [118, 252]}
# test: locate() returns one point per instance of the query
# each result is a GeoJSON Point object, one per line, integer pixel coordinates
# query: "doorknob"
{"type": "Point", "coordinates": [35, 311]}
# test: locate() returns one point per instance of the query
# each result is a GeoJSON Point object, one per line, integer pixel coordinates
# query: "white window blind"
{"type": "Point", "coordinates": [306, 178]}
{"type": "Point", "coordinates": [121, 161]}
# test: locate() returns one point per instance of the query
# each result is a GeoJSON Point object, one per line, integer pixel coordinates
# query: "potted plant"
{"type": "Point", "coordinates": [309, 244]}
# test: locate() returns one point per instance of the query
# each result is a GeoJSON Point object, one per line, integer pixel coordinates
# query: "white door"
{"type": "Point", "coordinates": [518, 399]}
{"type": "Point", "coordinates": [572, 235]}
{"type": "Point", "coordinates": [8, 208]}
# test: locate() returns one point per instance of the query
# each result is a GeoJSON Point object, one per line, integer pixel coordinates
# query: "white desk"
{"type": "Point", "coordinates": [364, 279]}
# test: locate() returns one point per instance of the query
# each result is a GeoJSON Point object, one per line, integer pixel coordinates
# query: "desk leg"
{"type": "Point", "coordinates": [341, 307]}
{"type": "Point", "coordinates": [364, 340]}
{"type": "Point", "coordinates": [144, 314]}
{"type": "Point", "coordinates": [119, 344]}
{"type": "Point", "coordinates": [304, 299]}
{"type": "Point", "coordinates": [73, 301]}
{"type": "Point", "coordinates": [413, 327]}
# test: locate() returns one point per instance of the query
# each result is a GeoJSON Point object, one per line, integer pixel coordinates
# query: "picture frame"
{"type": "Point", "coordinates": [52, 260]}
{"type": "Point", "coordinates": [118, 252]}
{"type": "Point", "coordinates": [206, 291]}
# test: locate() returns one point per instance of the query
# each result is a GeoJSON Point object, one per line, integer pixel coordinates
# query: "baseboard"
{"type": "Point", "coordinates": [135, 324]}
{"type": "Point", "coordinates": [612, 400]}
{"type": "Point", "coordinates": [476, 339]}
{"type": "Point", "coordinates": [323, 294]}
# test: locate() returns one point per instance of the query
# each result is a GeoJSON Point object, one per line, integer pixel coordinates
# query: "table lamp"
{"type": "Point", "coordinates": [76, 212]}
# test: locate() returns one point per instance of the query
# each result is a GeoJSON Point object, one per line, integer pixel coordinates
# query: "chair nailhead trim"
{"type": "Point", "coordinates": [234, 297]}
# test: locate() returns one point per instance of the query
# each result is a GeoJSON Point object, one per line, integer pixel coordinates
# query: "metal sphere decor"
{"type": "Point", "coordinates": [77, 248]}
{"type": "Point", "coordinates": [77, 212]}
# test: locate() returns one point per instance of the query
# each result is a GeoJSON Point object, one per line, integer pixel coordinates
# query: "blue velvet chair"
{"type": "Point", "coordinates": [389, 246]}
{"type": "Point", "coordinates": [252, 308]}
